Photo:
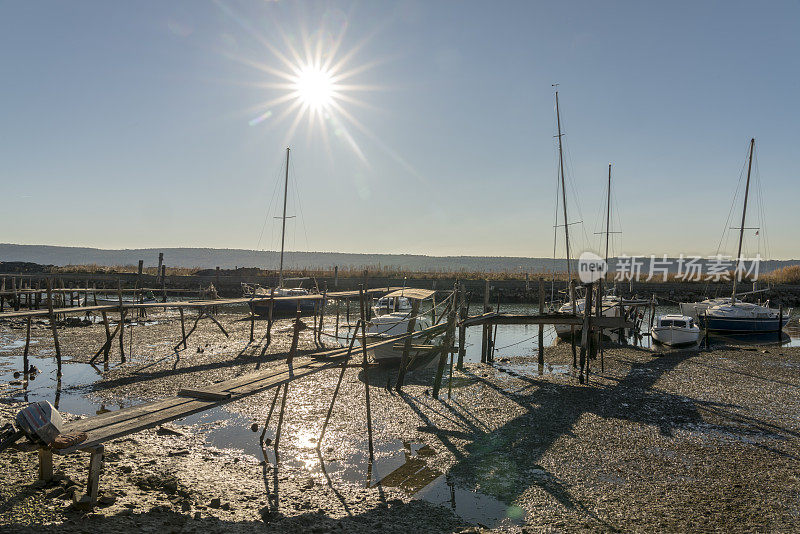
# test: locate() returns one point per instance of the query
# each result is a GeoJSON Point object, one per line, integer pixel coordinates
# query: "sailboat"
{"type": "Point", "coordinates": [730, 315]}
{"type": "Point", "coordinates": [610, 305]}
{"type": "Point", "coordinates": [282, 306]}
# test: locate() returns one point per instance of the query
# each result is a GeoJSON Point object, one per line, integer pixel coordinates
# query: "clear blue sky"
{"type": "Point", "coordinates": [132, 124]}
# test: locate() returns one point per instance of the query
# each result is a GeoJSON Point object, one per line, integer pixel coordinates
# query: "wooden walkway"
{"type": "Point", "coordinates": [111, 425]}
{"type": "Point", "coordinates": [332, 295]}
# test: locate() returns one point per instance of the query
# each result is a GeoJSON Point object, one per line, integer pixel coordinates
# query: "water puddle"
{"type": "Point", "coordinates": [65, 393]}
{"type": "Point", "coordinates": [410, 467]}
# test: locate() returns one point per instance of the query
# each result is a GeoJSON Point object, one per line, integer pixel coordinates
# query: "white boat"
{"type": "Point", "coordinates": [675, 329]}
{"type": "Point", "coordinates": [396, 323]}
{"type": "Point", "coordinates": [388, 304]}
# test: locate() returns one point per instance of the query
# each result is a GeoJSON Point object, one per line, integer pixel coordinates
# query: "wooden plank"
{"type": "Point", "coordinates": [204, 394]}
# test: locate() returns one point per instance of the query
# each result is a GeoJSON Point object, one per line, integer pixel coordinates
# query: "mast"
{"type": "Point", "coordinates": [563, 188]}
{"type": "Point", "coordinates": [744, 214]}
{"type": "Point", "coordinates": [283, 229]}
{"type": "Point", "coordinates": [608, 211]}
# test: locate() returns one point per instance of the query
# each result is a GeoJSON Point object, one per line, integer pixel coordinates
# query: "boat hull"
{"type": "Point", "coordinates": [743, 325]}
{"type": "Point", "coordinates": [675, 336]}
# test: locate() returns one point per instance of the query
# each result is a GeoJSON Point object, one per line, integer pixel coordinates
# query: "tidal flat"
{"type": "Point", "coordinates": [672, 440]}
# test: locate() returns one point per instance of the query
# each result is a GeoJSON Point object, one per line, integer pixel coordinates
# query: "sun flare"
{"type": "Point", "coordinates": [314, 87]}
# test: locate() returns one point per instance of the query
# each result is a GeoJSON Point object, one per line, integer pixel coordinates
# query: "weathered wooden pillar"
{"type": "Point", "coordinates": [447, 345]}
{"type": "Point", "coordinates": [486, 327]}
{"type": "Point", "coordinates": [365, 367]}
{"type": "Point", "coordinates": [121, 322]}
{"type": "Point", "coordinates": [107, 347]}
{"type": "Point", "coordinates": [160, 262]}
{"type": "Point", "coordinates": [53, 323]}
{"type": "Point", "coordinates": [462, 329]}
{"type": "Point", "coordinates": [541, 326]}
{"type": "Point", "coordinates": [586, 333]}
{"type": "Point", "coordinates": [401, 372]}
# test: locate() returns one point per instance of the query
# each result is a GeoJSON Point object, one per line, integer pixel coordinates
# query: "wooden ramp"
{"type": "Point", "coordinates": [111, 425]}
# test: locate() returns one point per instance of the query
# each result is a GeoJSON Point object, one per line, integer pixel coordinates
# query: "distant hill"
{"type": "Point", "coordinates": [209, 258]}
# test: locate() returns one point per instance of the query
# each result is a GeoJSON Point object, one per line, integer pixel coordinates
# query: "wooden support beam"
{"type": "Point", "coordinates": [95, 468]}
{"type": "Point", "coordinates": [183, 327]}
{"type": "Point", "coordinates": [53, 323]}
{"type": "Point", "coordinates": [45, 465]}
{"type": "Point", "coordinates": [366, 372]}
{"type": "Point", "coordinates": [445, 352]}
{"type": "Point", "coordinates": [401, 372]}
{"type": "Point", "coordinates": [216, 322]}
{"type": "Point", "coordinates": [541, 326]}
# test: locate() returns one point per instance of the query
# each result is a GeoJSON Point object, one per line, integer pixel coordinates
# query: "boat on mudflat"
{"type": "Point", "coordinates": [744, 318]}
{"type": "Point", "coordinates": [675, 330]}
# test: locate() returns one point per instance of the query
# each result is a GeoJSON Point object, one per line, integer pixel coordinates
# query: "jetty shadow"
{"type": "Point", "coordinates": [506, 462]}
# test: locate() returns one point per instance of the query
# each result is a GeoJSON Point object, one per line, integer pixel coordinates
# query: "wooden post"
{"type": "Point", "coordinates": [95, 468]}
{"type": "Point", "coordinates": [335, 276]}
{"type": "Point", "coordinates": [183, 328]}
{"type": "Point", "coordinates": [216, 276]}
{"type": "Point", "coordinates": [572, 327]}
{"type": "Point", "coordinates": [53, 323]}
{"type": "Point", "coordinates": [14, 290]}
{"type": "Point", "coordinates": [158, 269]}
{"type": "Point", "coordinates": [140, 269]}
{"type": "Point", "coordinates": [486, 327]}
{"type": "Point", "coordinates": [322, 314]}
{"type": "Point", "coordinates": [252, 322]}
{"type": "Point", "coordinates": [164, 285]}
{"type": "Point", "coordinates": [121, 322]}
{"type": "Point", "coordinates": [107, 346]}
{"type": "Point", "coordinates": [462, 330]}
{"type": "Point", "coordinates": [27, 341]}
{"type": "Point", "coordinates": [295, 338]}
{"type": "Point", "coordinates": [541, 326]}
{"type": "Point", "coordinates": [597, 335]}
{"type": "Point", "coordinates": [366, 371]}
{"type": "Point", "coordinates": [401, 372]}
{"type": "Point", "coordinates": [447, 345]}
{"type": "Point", "coordinates": [585, 332]}
{"type": "Point", "coordinates": [45, 465]}
{"type": "Point", "coordinates": [780, 321]}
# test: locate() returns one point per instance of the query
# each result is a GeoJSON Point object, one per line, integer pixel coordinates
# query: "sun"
{"type": "Point", "coordinates": [314, 87]}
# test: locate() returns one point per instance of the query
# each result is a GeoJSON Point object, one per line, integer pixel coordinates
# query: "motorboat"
{"type": "Point", "coordinates": [675, 330]}
{"type": "Point", "coordinates": [744, 318]}
{"type": "Point", "coordinates": [388, 304]}
{"type": "Point", "coordinates": [396, 323]}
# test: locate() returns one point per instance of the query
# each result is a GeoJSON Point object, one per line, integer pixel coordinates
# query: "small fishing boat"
{"type": "Point", "coordinates": [396, 323]}
{"type": "Point", "coordinates": [675, 330]}
{"type": "Point", "coordinates": [385, 305]}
